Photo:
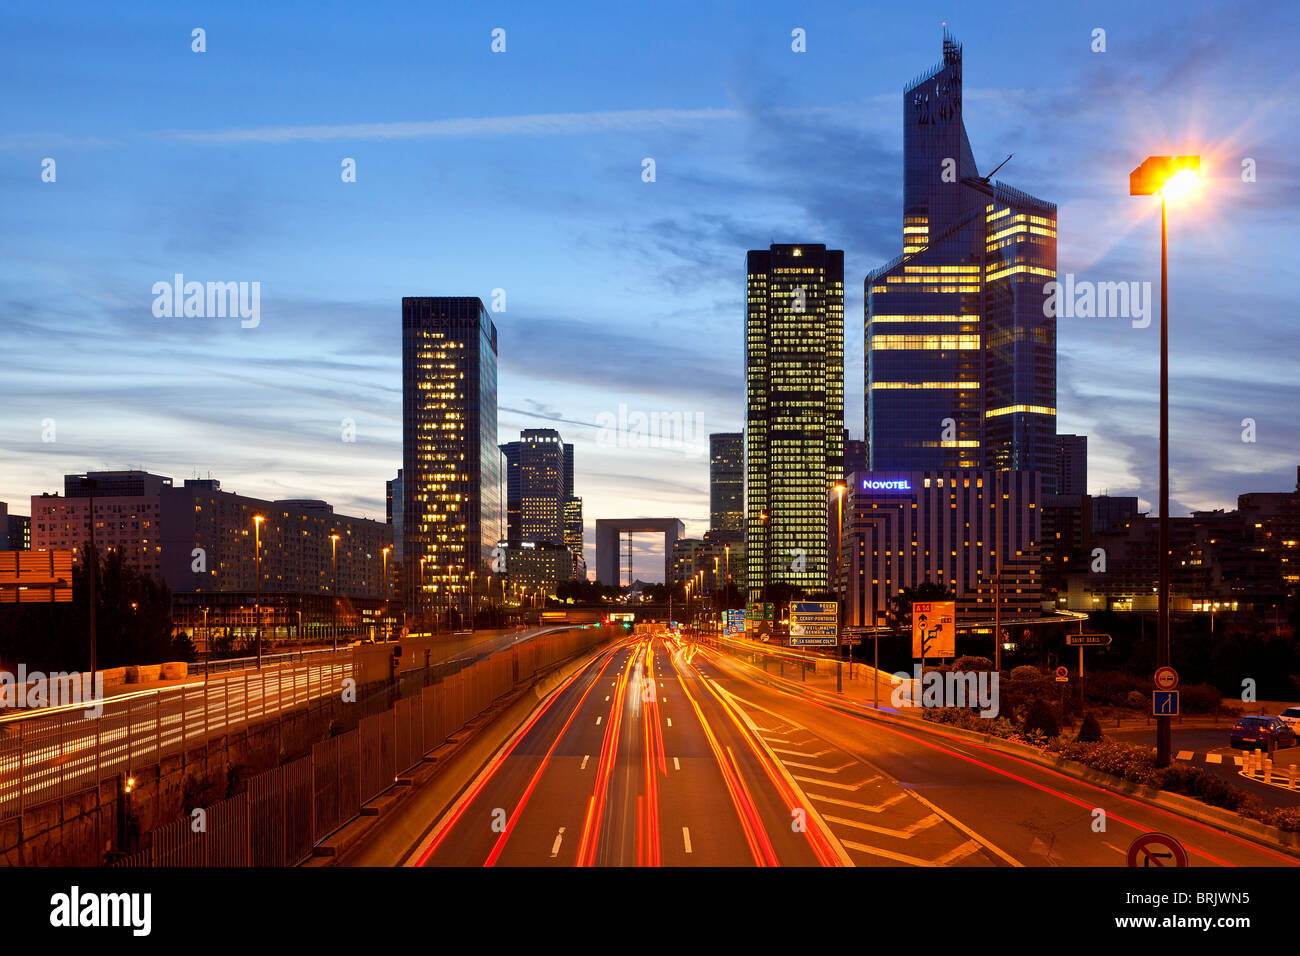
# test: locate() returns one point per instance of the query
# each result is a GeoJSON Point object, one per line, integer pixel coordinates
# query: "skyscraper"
{"type": "Point", "coordinates": [573, 532]}
{"type": "Point", "coordinates": [961, 358]}
{"type": "Point", "coordinates": [450, 468]}
{"type": "Point", "coordinates": [727, 482]}
{"type": "Point", "coordinates": [538, 481]}
{"type": "Point", "coordinates": [794, 419]}
{"type": "Point", "coordinates": [1072, 464]}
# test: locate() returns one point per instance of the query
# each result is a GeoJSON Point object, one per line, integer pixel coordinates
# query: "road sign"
{"type": "Point", "coordinates": [1164, 703]}
{"type": "Point", "coordinates": [1156, 849]}
{"type": "Point", "coordinates": [735, 622]}
{"type": "Point", "coordinates": [1087, 640]}
{"type": "Point", "coordinates": [1062, 675]}
{"type": "Point", "coordinates": [1166, 678]}
{"type": "Point", "coordinates": [814, 623]}
{"type": "Point", "coordinates": [934, 629]}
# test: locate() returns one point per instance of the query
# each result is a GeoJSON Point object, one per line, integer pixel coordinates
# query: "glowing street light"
{"type": "Point", "coordinates": [257, 549]}
{"type": "Point", "coordinates": [1169, 177]}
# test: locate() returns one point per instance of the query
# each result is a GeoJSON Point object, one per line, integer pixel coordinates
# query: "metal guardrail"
{"type": "Point", "coordinates": [285, 812]}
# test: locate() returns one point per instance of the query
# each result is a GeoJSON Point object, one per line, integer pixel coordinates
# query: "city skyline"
{"type": "Point", "coordinates": [154, 192]}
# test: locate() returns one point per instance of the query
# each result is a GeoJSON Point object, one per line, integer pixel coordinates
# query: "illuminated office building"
{"type": "Point", "coordinates": [794, 420]}
{"type": "Point", "coordinates": [539, 477]}
{"type": "Point", "coordinates": [960, 357]}
{"type": "Point", "coordinates": [573, 533]}
{"type": "Point", "coordinates": [450, 471]}
{"type": "Point", "coordinates": [727, 482]}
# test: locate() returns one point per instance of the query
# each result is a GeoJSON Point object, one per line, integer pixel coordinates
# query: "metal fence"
{"type": "Point", "coordinates": [51, 755]}
{"type": "Point", "coordinates": [283, 813]}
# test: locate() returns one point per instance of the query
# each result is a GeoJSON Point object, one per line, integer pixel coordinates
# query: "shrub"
{"type": "Point", "coordinates": [1113, 687]}
{"type": "Point", "coordinates": [1026, 672]}
{"type": "Point", "coordinates": [1040, 721]}
{"type": "Point", "coordinates": [1089, 730]}
{"type": "Point", "coordinates": [972, 662]}
{"type": "Point", "coordinates": [970, 720]}
{"type": "Point", "coordinates": [1205, 786]}
{"type": "Point", "coordinates": [1135, 764]}
{"type": "Point", "coordinates": [1200, 698]}
{"type": "Point", "coordinates": [1137, 699]}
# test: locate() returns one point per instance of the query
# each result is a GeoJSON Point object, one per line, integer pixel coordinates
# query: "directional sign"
{"type": "Point", "coordinates": [1156, 849]}
{"type": "Point", "coordinates": [1087, 640]}
{"type": "Point", "coordinates": [1062, 675]}
{"type": "Point", "coordinates": [814, 624]}
{"type": "Point", "coordinates": [934, 629]}
{"type": "Point", "coordinates": [1166, 678]}
{"type": "Point", "coordinates": [1164, 703]}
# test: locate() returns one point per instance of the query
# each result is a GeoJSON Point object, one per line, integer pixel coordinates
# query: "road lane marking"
{"type": "Point", "coordinates": [813, 766]}
{"type": "Point", "coordinates": [888, 802]}
{"type": "Point", "coordinates": [555, 847]}
{"type": "Point", "coordinates": [957, 853]}
{"type": "Point", "coordinates": [676, 765]}
{"type": "Point", "coordinates": [607, 697]}
{"type": "Point", "coordinates": [800, 753]}
{"type": "Point", "coordinates": [887, 854]}
{"type": "Point", "coordinates": [599, 719]}
{"type": "Point", "coordinates": [831, 783]}
{"type": "Point", "coordinates": [584, 762]}
{"type": "Point", "coordinates": [906, 833]}
{"type": "Point", "coordinates": [967, 830]}
{"type": "Point", "coordinates": [1114, 847]}
{"type": "Point", "coordinates": [686, 838]}
{"type": "Point", "coordinates": [670, 721]}
{"type": "Point", "coordinates": [1214, 758]}
{"type": "Point", "coordinates": [1184, 755]}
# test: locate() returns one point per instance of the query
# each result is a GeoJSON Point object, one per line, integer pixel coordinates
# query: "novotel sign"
{"type": "Point", "coordinates": [901, 484]}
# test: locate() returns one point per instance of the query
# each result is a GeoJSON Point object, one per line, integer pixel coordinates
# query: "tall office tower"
{"type": "Point", "coordinates": [727, 482]}
{"type": "Point", "coordinates": [794, 418]}
{"type": "Point", "coordinates": [573, 535]}
{"type": "Point", "coordinates": [538, 480]}
{"type": "Point", "coordinates": [1072, 464]}
{"type": "Point", "coordinates": [393, 502]}
{"type": "Point", "coordinates": [855, 455]}
{"type": "Point", "coordinates": [961, 357]}
{"type": "Point", "coordinates": [450, 471]}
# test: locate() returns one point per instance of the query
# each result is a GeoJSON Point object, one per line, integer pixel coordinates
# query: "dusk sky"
{"type": "Point", "coordinates": [522, 171]}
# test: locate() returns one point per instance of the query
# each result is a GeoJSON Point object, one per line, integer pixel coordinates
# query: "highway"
{"type": "Point", "coordinates": [58, 750]}
{"type": "Point", "coordinates": [660, 752]}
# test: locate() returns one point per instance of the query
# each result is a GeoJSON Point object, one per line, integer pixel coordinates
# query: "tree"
{"type": "Point", "coordinates": [899, 613]}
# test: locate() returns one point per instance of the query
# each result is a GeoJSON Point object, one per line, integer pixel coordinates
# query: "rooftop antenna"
{"type": "Point", "coordinates": [985, 179]}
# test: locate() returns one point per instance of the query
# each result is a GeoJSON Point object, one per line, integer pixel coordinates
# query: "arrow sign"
{"type": "Point", "coordinates": [1087, 640]}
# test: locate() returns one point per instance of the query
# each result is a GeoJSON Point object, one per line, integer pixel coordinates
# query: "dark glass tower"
{"type": "Point", "coordinates": [961, 359]}
{"type": "Point", "coordinates": [450, 472]}
{"type": "Point", "coordinates": [794, 419]}
{"type": "Point", "coordinates": [727, 482]}
{"type": "Point", "coordinates": [539, 478]}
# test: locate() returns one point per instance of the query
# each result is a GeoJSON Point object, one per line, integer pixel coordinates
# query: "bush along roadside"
{"type": "Point", "coordinates": [1125, 761]}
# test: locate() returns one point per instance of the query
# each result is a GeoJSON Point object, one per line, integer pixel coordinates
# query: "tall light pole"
{"type": "Point", "coordinates": [257, 607]}
{"type": "Point", "coordinates": [385, 551]}
{"type": "Point", "coordinates": [727, 549]}
{"type": "Point", "coordinates": [1168, 177]}
{"type": "Point", "coordinates": [334, 589]}
{"type": "Point", "coordinates": [421, 604]}
{"type": "Point", "coordinates": [997, 571]}
{"type": "Point", "coordinates": [840, 488]}
{"type": "Point", "coordinates": [92, 565]}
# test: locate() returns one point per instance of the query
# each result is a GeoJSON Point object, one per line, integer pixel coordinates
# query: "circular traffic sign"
{"type": "Point", "coordinates": [1062, 673]}
{"type": "Point", "coordinates": [1156, 849]}
{"type": "Point", "coordinates": [1166, 678]}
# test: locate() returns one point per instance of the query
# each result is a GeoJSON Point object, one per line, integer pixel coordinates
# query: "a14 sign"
{"type": "Point", "coordinates": [934, 629]}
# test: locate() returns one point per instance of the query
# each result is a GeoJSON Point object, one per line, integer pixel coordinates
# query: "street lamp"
{"type": "Point", "coordinates": [257, 548]}
{"type": "Point", "coordinates": [1169, 177]}
{"type": "Point", "coordinates": [421, 604]}
{"type": "Point", "coordinates": [840, 488]}
{"type": "Point", "coordinates": [334, 589]}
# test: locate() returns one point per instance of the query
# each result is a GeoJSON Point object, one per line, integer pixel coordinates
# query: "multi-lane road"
{"type": "Point", "coordinates": [660, 752]}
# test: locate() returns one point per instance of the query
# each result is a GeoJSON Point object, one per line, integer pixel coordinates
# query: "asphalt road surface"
{"type": "Point", "coordinates": [662, 753]}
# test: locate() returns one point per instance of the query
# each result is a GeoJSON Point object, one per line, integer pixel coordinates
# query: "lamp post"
{"type": "Point", "coordinates": [1168, 177]}
{"type": "Point", "coordinates": [334, 589]}
{"type": "Point", "coordinates": [385, 551]}
{"type": "Point", "coordinates": [257, 607]}
{"type": "Point", "coordinates": [421, 604]}
{"type": "Point", "coordinates": [92, 565]}
{"type": "Point", "coordinates": [727, 549]}
{"type": "Point", "coordinates": [840, 488]}
{"type": "Point", "coordinates": [471, 601]}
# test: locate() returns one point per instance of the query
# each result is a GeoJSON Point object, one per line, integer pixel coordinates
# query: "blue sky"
{"type": "Point", "coordinates": [522, 170]}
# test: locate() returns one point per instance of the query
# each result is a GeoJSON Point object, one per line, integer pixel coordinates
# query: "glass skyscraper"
{"type": "Point", "coordinates": [727, 482]}
{"type": "Point", "coordinates": [960, 358]}
{"type": "Point", "coordinates": [794, 419]}
{"type": "Point", "coordinates": [450, 472]}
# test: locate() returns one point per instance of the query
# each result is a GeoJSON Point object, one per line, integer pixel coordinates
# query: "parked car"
{"type": "Point", "coordinates": [1259, 732]}
{"type": "Point", "coordinates": [1291, 717]}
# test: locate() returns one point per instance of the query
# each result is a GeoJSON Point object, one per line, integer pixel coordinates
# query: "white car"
{"type": "Point", "coordinates": [1291, 717]}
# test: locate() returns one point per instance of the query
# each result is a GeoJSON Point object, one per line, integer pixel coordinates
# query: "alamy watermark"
{"type": "Point", "coordinates": [678, 431]}
{"type": "Point", "coordinates": [936, 688]}
{"type": "Point", "coordinates": [1084, 299]}
{"type": "Point", "coordinates": [36, 689]}
{"type": "Point", "coordinates": [213, 300]}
